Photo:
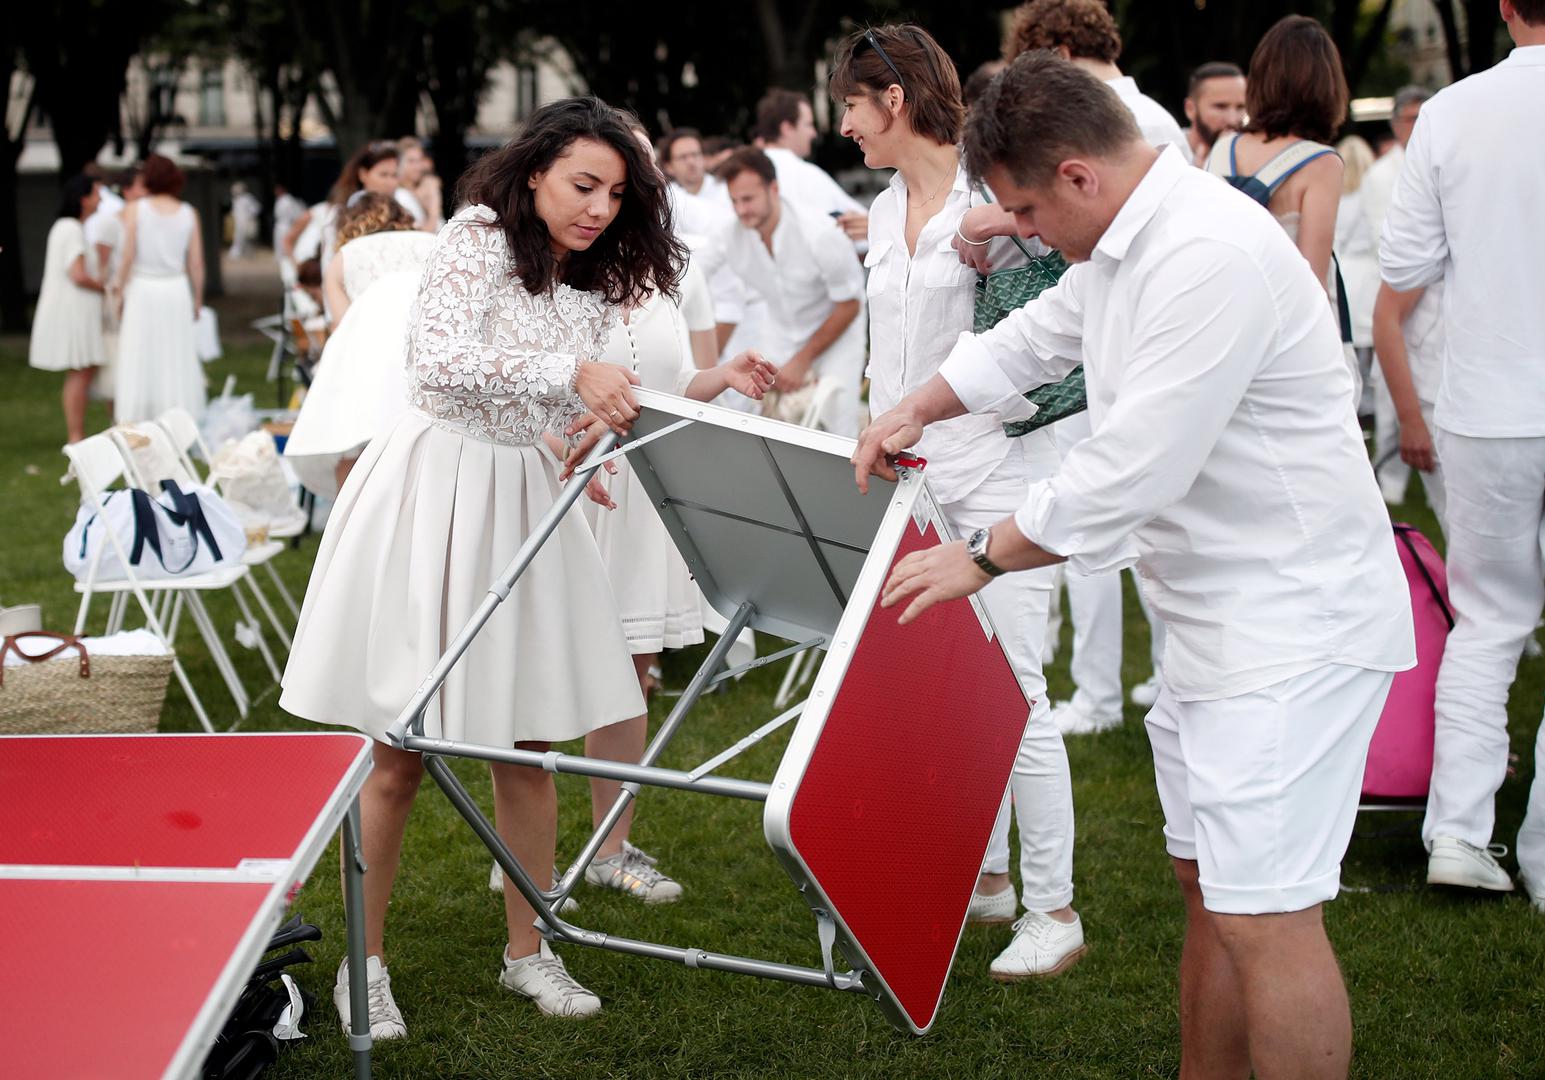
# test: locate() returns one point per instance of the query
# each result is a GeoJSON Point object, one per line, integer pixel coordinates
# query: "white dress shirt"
{"type": "Point", "coordinates": [810, 186]}
{"type": "Point", "coordinates": [1222, 456]}
{"type": "Point", "coordinates": [1378, 188]}
{"type": "Point", "coordinates": [1153, 119]}
{"type": "Point", "coordinates": [1468, 211]}
{"type": "Point", "coordinates": [919, 304]}
{"type": "Point", "coordinates": [410, 202]}
{"type": "Point", "coordinates": [699, 221]}
{"type": "Point", "coordinates": [810, 269]}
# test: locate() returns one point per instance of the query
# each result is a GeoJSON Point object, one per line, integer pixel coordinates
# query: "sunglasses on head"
{"type": "Point", "coordinates": [870, 40]}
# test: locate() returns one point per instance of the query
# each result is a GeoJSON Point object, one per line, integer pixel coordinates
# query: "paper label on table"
{"type": "Point", "coordinates": [272, 868]}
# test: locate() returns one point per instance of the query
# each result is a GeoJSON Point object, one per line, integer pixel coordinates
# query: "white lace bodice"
{"type": "Point", "coordinates": [485, 357]}
{"type": "Point", "coordinates": [366, 259]}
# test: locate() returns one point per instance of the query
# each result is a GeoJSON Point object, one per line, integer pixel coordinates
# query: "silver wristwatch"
{"type": "Point", "coordinates": [976, 547]}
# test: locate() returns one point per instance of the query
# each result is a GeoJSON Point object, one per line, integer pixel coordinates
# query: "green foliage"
{"type": "Point", "coordinates": [1440, 986]}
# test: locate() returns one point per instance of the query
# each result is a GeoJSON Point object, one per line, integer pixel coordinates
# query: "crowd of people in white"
{"type": "Point", "coordinates": [1231, 287]}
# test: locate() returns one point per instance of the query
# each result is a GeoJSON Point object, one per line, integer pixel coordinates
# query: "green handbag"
{"type": "Point", "coordinates": [1003, 291]}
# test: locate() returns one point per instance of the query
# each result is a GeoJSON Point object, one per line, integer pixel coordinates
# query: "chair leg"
{"type": "Point", "coordinates": [284, 593]}
{"type": "Point", "coordinates": [116, 609]}
{"type": "Point", "coordinates": [82, 612]}
{"type": "Point", "coordinates": [193, 698]}
{"type": "Point", "coordinates": [217, 651]}
{"type": "Point", "coordinates": [175, 617]}
{"type": "Point", "coordinates": [792, 679]}
{"type": "Point", "coordinates": [256, 627]}
{"type": "Point", "coordinates": [268, 611]}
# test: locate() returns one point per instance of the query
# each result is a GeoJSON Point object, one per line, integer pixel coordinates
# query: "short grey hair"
{"type": "Point", "coordinates": [1410, 94]}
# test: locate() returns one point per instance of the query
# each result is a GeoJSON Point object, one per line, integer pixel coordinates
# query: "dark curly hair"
{"type": "Point", "coordinates": [1084, 27]}
{"type": "Point", "coordinates": [636, 255]}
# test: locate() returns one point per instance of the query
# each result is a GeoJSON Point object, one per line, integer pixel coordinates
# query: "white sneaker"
{"type": "Point", "coordinates": [633, 872]}
{"type": "Point", "coordinates": [385, 1017]}
{"type": "Point", "coordinates": [1042, 947]}
{"type": "Point", "coordinates": [543, 978]}
{"type": "Point", "coordinates": [496, 883]}
{"type": "Point", "coordinates": [1145, 693]}
{"type": "Point", "coordinates": [1455, 862]}
{"type": "Point", "coordinates": [1072, 720]}
{"type": "Point", "coordinates": [989, 909]}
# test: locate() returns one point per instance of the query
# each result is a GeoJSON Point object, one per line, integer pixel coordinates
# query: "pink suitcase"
{"type": "Point", "coordinates": [1400, 756]}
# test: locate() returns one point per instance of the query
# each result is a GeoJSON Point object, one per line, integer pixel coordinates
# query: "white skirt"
{"type": "Point", "coordinates": [426, 522]}
{"type": "Point", "coordinates": [360, 388]}
{"type": "Point", "coordinates": [659, 603]}
{"type": "Point", "coordinates": [66, 329]}
{"type": "Point", "coordinates": [157, 367]}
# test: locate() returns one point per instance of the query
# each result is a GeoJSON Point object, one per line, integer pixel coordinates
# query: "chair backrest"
{"type": "Point", "coordinates": [183, 429]}
{"type": "Point", "coordinates": [151, 456]}
{"type": "Point", "coordinates": [97, 462]}
{"type": "Point", "coordinates": [825, 403]}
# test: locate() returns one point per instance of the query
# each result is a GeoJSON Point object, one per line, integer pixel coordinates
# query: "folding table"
{"type": "Point", "coordinates": [141, 877]}
{"type": "Point", "coordinates": [884, 803]}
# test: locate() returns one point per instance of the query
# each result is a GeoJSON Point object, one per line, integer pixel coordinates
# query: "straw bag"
{"type": "Point", "coordinates": [65, 691]}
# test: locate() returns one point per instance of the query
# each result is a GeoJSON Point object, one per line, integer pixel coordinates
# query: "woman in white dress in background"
{"type": "Point", "coordinates": [360, 387]}
{"type": "Point", "coordinates": [314, 235]}
{"type": "Point", "coordinates": [161, 282]}
{"type": "Point", "coordinates": [562, 225]}
{"type": "Point", "coordinates": [67, 323]}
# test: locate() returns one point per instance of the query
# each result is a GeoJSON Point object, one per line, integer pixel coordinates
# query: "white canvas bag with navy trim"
{"type": "Point", "coordinates": [176, 534]}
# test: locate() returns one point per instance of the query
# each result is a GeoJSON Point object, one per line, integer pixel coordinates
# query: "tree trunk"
{"type": "Point", "coordinates": [1451, 43]}
{"type": "Point", "coordinates": [1371, 43]}
{"type": "Point", "coordinates": [13, 290]}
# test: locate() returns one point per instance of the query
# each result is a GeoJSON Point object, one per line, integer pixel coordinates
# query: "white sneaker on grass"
{"type": "Point", "coordinates": [1463, 865]}
{"type": "Point", "coordinates": [496, 883]}
{"type": "Point", "coordinates": [1145, 693]}
{"type": "Point", "coordinates": [989, 909]}
{"type": "Point", "coordinates": [1042, 947]}
{"type": "Point", "coordinates": [1534, 890]}
{"type": "Point", "coordinates": [633, 872]}
{"type": "Point", "coordinates": [385, 1018]}
{"type": "Point", "coordinates": [1071, 719]}
{"type": "Point", "coordinates": [543, 978]}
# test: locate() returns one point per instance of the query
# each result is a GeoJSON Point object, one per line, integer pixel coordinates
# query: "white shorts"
{"type": "Point", "coordinates": [1261, 790]}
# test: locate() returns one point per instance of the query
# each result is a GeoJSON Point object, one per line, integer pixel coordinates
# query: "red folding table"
{"type": "Point", "coordinates": [884, 803]}
{"type": "Point", "coordinates": [141, 877]}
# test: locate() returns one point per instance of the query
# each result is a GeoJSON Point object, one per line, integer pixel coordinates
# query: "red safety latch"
{"type": "Point", "coordinates": [909, 461]}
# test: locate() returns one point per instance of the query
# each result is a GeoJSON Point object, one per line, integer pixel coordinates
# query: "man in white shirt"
{"type": "Point", "coordinates": [1215, 103]}
{"type": "Point", "coordinates": [1467, 211]}
{"type": "Point", "coordinates": [1222, 462]}
{"type": "Point", "coordinates": [1376, 191]}
{"type": "Point", "coordinates": [804, 270]}
{"type": "Point", "coordinates": [785, 123]}
{"type": "Point", "coordinates": [700, 208]}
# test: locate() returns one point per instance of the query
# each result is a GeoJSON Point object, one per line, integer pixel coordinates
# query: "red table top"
{"type": "Point", "coordinates": [897, 802]}
{"type": "Point", "coordinates": [104, 978]}
{"type": "Point", "coordinates": [165, 800]}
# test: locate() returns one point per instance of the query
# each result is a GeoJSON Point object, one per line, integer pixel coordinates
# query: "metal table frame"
{"type": "Point", "coordinates": [905, 502]}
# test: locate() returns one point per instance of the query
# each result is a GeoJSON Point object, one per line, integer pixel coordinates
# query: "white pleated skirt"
{"type": "Point", "coordinates": [157, 366]}
{"type": "Point", "coordinates": [660, 605]}
{"type": "Point", "coordinates": [426, 522]}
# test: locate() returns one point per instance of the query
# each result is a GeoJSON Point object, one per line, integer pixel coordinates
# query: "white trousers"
{"type": "Point", "coordinates": [1041, 786]}
{"type": "Point", "coordinates": [1094, 605]}
{"type": "Point", "coordinates": [1496, 584]}
{"type": "Point", "coordinates": [1393, 473]}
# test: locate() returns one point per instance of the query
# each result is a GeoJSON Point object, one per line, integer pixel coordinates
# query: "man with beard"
{"type": "Point", "coordinates": [1215, 103]}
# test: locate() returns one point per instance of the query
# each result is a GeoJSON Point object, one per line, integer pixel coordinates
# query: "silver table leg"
{"type": "Point", "coordinates": [354, 914]}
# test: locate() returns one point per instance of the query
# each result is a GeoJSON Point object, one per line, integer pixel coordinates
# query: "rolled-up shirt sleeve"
{"type": "Point", "coordinates": [1414, 246]}
{"type": "Point", "coordinates": [1188, 370]}
{"type": "Point", "coordinates": [1036, 345]}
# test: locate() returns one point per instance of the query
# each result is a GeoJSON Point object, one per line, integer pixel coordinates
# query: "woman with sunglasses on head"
{"type": "Point", "coordinates": [562, 226]}
{"type": "Point", "coordinates": [900, 99]}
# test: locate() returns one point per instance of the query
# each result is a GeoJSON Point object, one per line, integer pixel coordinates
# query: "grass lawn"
{"type": "Point", "coordinates": [1441, 986]}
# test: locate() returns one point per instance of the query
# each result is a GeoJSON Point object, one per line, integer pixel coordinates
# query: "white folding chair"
{"type": "Point", "coordinates": [183, 430]}
{"type": "Point", "coordinates": [98, 462]}
{"type": "Point", "coordinates": [143, 475]}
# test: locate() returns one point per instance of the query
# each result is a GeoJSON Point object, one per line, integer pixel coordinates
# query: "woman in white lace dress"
{"type": "Point", "coordinates": [563, 224]}
{"type": "Point", "coordinates": [360, 387]}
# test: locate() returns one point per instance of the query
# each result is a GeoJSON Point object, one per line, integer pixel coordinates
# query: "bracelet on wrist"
{"type": "Point", "coordinates": [966, 240]}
